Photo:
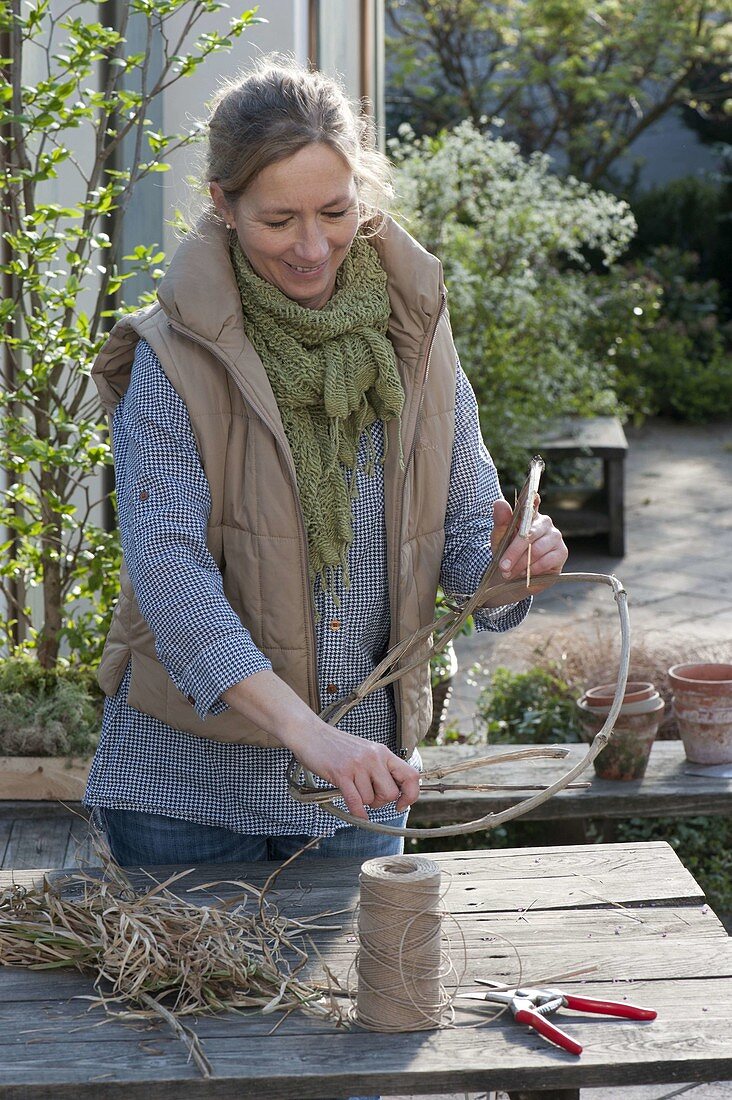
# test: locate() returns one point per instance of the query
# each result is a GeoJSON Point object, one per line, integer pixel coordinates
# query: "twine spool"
{"type": "Point", "coordinates": [399, 963]}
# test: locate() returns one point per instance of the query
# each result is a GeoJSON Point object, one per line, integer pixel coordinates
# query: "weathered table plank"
{"type": "Point", "coordinates": [32, 846]}
{"type": "Point", "coordinates": [667, 789]}
{"type": "Point", "coordinates": [684, 1043]}
{"type": "Point", "coordinates": [44, 834]}
{"type": "Point", "coordinates": [582, 876]}
{"type": "Point", "coordinates": [6, 827]}
{"type": "Point", "coordinates": [39, 1011]}
{"type": "Point", "coordinates": [607, 935]}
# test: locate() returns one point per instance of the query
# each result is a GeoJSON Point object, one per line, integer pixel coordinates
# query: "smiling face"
{"type": "Point", "coordinates": [296, 222]}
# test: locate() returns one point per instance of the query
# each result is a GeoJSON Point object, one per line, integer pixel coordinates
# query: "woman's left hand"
{"type": "Point", "coordinates": [548, 549]}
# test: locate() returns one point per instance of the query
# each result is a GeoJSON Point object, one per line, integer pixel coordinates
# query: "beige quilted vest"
{"type": "Point", "coordinates": [255, 530]}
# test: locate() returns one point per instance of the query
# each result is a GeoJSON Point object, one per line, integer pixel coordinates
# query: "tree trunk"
{"type": "Point", "coordinates": [49, 636]}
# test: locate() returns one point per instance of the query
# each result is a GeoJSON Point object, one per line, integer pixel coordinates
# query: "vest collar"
{"type": "Point", "coordinates": [199, 291]}
{"type": "Point", "coordinates": [416, 289]}
{"type": "Point", "coordinates": [200, 296]}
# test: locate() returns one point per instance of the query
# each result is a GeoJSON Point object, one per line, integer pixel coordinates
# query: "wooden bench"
{"type": "Point", "coordinates": [583, 511]}
{"type": "Point", "coordinates": [667, 788]}
{"type": "Point", "coordinates": [52, 834]}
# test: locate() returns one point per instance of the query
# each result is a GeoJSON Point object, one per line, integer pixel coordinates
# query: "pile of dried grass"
{"type": "Point", "coordinates": [153, 954]}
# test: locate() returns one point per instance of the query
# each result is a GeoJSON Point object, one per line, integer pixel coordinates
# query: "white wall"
{"type": "Point", "coordinates": [339, 41]}
{"type": "Point", "coordinates": [285, 32]}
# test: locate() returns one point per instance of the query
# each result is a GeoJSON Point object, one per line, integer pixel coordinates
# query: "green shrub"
{"type": "Point", "coordinates": [534, 707]}
{"type": "Point", "coordinates": [514, 240]}
{"type": "Point", "coordinates": [690, 214]}
{"type": "Point", "coordinates": [48, 712]}
{"type": "Point", "coordinates": [659, 326]}
{"type": "Point", "coordinates": [690, 366]}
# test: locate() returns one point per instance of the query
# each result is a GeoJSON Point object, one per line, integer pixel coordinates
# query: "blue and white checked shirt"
{"type": "Point", "coordinates": [142, 764]}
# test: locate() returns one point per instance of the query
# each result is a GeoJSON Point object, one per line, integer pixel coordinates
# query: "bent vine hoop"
{"type": "Point", "coordinates": [422, 646]}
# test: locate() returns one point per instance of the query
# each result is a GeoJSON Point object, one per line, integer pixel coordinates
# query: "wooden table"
{"type": "Point", "coordinates": [630, 916]}
{"type": "Point", "coordinates": [667, 789]}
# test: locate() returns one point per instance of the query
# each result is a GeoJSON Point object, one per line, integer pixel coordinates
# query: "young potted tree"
{"type": "Point", "coordinates": [78, 105]}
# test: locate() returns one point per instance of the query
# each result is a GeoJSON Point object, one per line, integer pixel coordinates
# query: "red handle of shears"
{"type": "Point", "coordinates": [549, 1031]}
{"type": "Point", "coordinates": [609, 1008]}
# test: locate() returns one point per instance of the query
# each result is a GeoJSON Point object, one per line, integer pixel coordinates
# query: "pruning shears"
{"type": "Point", "coordinates": [532, 1005]}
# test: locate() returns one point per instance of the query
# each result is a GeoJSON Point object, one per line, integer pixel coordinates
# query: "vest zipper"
{"type": "Point", "coordinates": [284, 448]}
{"type": "Point", "coordinates": [399, 518]}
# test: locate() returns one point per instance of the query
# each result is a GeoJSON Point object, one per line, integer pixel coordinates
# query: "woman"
{"type": "Point", "coordinates": [298, 465]}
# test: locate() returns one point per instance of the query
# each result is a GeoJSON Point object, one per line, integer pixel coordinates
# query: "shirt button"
{"type": "Point", "coordinates": [191, 700]}
{"type": "Point", "coordinates": [335, 624]}
{"type": "Point", "coordinates": [144, 495]}
{"type": "Point", "coordinates": [332, 689]}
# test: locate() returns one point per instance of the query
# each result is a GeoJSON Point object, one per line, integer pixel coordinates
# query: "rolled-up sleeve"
{"type": "Point", "coordinates": [164, 503]}
{"type": "Point", "coordinates": [474, 489]}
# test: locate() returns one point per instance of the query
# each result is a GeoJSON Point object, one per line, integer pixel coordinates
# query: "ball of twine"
{"type": "Point", "coordinates": [399, 965]}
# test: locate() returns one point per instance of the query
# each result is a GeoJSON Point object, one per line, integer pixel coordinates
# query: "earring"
{"type": "Point", "coordinates": [227, 225]}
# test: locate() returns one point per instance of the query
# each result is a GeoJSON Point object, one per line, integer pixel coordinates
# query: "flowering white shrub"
{"type": "Point", "coordinates": [514, 240]}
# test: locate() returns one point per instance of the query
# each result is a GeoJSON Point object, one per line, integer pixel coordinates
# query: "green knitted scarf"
{"type": "Point", "coordinates": [333, 373]}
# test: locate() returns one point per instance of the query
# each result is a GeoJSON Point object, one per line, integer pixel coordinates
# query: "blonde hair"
{"type": "Point", "coordinates": [275, 111]}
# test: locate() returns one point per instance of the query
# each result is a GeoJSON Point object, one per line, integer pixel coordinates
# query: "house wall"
{"type": "Point", "coordinates": [669, 150]}
{"type": "Point", "coordinates": [343, 37]}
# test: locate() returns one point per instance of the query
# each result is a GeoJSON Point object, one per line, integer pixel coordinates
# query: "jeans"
{"type": "Point", "coordinates": [137, 838]}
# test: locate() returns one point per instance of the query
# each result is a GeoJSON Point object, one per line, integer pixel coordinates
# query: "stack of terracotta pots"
{"type": "Point", "coordinates": [626, 754]}
{"type": "Point", "coordinates": [702, 701]}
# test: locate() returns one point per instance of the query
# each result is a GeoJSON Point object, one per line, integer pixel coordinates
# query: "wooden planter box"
{"type": "Point", "coordinates": [36, 778]}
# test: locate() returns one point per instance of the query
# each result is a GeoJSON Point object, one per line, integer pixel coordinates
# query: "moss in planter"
{"type": "Point", "coordinates": [48, 712]}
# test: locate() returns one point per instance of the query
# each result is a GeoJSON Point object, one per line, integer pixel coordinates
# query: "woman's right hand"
{"type": "Point", "coordinates": [367, 773]}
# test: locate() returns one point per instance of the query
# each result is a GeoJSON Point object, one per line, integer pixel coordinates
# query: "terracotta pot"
{"type": "Point", "coordinates": [635, 690]}
{"type": "Point", "coordinates": [702, 698]}
{"type": "Point", "coordinates": [637, 706]}
{"type": "Point", "coordinates": [626, 754]}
